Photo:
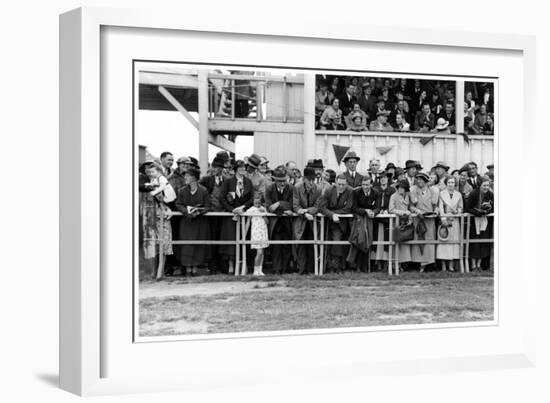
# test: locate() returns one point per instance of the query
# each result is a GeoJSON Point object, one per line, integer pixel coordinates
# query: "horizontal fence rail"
{"type": "Point", "coordinates": [319, 242]}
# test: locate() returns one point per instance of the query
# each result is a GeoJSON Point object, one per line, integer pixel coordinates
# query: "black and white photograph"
{"type": "Point", "coordinates": [274, 199]}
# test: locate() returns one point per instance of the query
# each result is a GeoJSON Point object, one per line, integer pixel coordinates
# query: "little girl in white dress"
{"type": "Point", "coordinates": [258, 234]}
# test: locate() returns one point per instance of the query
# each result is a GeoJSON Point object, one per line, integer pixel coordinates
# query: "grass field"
{"type": "Point", "coordinates": [222, 304]}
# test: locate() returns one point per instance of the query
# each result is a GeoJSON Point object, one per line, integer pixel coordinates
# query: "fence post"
{"type": "Point", "coordinates": [461, 239]}
{"type": "Point", "coordinates": [315, 247]}
{"type": "Point", "coordinates": [237, 244]}
{"type": "Point", "coordinates": [390, 246]}
{"type": "Point", "coordinates": [244, 268]}
{"type": "Point", "coordinates": [397, 219]}
{"type": "Point", "coordinates": [467, 243]}
{"type": "Point", "coordinates": [322, 268]}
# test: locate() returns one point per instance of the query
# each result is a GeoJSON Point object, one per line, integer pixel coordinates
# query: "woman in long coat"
{"type": "Point", "coordinates": [450, 203]}
{"type": "Point", "coordinates": [480, 203]}
{"type": "Point", "coordinates": [236, 196]}
{"type": "Point", "coordinates": [193, 201]}
{"type": "Point", "coordinates": [399, 205]}
{"type": "Point", "coordinates": [384, 190]}
{"type": "Point", "coordinates": [424, 201]}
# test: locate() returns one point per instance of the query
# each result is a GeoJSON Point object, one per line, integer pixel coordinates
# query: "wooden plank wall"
{"type": "Point", "coordinates": [280, 147]}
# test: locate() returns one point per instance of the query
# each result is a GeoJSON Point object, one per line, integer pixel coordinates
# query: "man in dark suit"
{"type": "Point", "coordinates": [474, 179]}
{"type": "Point", "coordinates": [425, 119]}
{"type": "Point", "coordinates": [374, 171]}
{"type": "Point", "coordinates": [306, 204]}
{"type": "Point", "coordinates": [278, 200]}
{"type": "Point", "coordinates": [449, 115]}
{"type": "Point", "coordinates": [348, 99]}
{"type": "Point", "coordinates": [213, 183]}
{"type": "Point", "coordinates": [336, 201]}
{"type": "Point", "coordinates": [353, 177]}
{"type": "Point", "coordinates": [411, 168]}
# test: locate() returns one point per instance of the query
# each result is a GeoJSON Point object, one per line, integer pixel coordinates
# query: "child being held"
{"type": "Point", "coordinates": [258, 233]}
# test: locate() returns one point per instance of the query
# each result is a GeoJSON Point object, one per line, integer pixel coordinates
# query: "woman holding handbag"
{"type": "Point", "coordinates": [450, 203]}
{"type": "Point", "coordinates": [399, 205]}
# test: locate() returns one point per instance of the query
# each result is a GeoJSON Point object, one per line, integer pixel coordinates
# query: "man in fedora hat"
{"type": "Point", "coordinates": [319, 180]}
{"type": "Point", "coordinates": [353, 177]}
{"type": "Point", "coordinates": [336, 201]}
{"type": "Point", "coordinates": [306, 204]}
{"type": "Point", "coordinates": [411, 167]}
{"type": "Point", "coordinates": [381, 123]}
{"type": "Point", "coordinates": [278, 200]}
{"type": "Point", "coordinates": [253, 173]}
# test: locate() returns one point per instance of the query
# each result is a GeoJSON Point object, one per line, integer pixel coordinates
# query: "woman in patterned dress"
{"type": "Point", "coordinates": [258, 233]}
{"type": "Point", "coordinates": [152, 208]}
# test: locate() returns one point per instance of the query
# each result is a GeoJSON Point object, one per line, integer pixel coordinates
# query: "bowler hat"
{"type": "Point", "coordinates": [350, 155]}
{"type": "Point", "coordinates": [410, 164]}
{"type": "Point", "coordinates": [279, 173]}
{"type": "Point", "coordinates": [315, 164]}
{"type": "Point", "coordinates": [223, 155]}
{"type": "Point", "coordinates": [217, 162]}
{"type": "Point", "coordinates": [441, 164]}
{"type": "Point", "coordinates": [490, 166]}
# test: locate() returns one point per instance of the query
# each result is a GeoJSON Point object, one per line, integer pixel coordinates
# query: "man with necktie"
{"type": "Point", "coordinates": [353, 178]}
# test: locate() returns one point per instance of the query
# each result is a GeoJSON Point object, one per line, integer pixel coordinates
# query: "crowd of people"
{"type": "Point", "coordinates": [401, 105]}
{"type": "Point", "coordinates": [426, 200]}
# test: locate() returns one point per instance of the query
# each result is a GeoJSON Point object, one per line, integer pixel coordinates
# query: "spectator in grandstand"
{"type": "Point", "coordinates": [450, 203]}
{"type": "Point", "coordinates": [381, 123]}
{"type": "Point", "coordinates": [487, 99]}
{"type": "Point", "coordinates": [166, 162]}
{"type": "Point", "coordinates": [470, 105]}
{"type": "Point", "coordinates": [193, 201]}
{"type": "Point", "coordinates": [425, 119]}
{"type": "Point", "coordinates": [348, 99]}
{"type": "Point", "coordinates": [368, 101]}
{"type": "Point", "coordinates": [337, 200]}
{"type": "Point", "coordinates": [469, 126]}
{"type": "Point", "coordinates": [361, 125]}
{"type": "Point", "coordinates": [323, 98]}
{"type": "Point", "coordinates": [449, 115]}
{"type": "Point", "coordinates": [418, 97]}
{"type": "Point", "coordinates": [436, 104]}
{"type": "Point", "coordinates": [236, 196]}
{"type": "Point", "coordinates": [278, 200]}
{"type": "Point", "coordinates": [442, 127]}
{"type": "Point", "coordinates": [399, 205]}
{"type": "Point", "coordinates": [400, 107]}
{"type": "Point", "coordinates": [364, 209]}
{"type": "Point", "coordinates": [481, 118]}
{"type": "Point", "coordinates": [335, 87]}
{"type": "Point", "coordinates": [331, 119]}
{"type": "Point", "coordinates": [388, 101]}
{"type": "Point", "coordinates": [177, 177]}
{"type": "Point", "coordinates": [401, 124]}
{"type": "Point", "coordinates": [488, 126]}
{"type": "Point", "coordinates": [306, 199]}
{"type": "Point", "coordinates": [480, 203]}
{"type": "Point", "coordinates": [353, 178]}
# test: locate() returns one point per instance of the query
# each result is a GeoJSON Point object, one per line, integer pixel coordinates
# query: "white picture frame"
{"type": "Point", "coordinates": [83, 344]}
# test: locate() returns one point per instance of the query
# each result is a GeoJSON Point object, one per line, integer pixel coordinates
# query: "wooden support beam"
{"type": "Point", "coordinates": [226, 125]}
{"type": "Point", "coordinates": [204, 132]}
{"type": "Point", "coordinates": [179, 107]}
{"type": "Point", "coordinates": [167, 79]}
{"type": "Point", "coordinates": [309, 117]}
{"type": "Point", "coordinates": [222, 142]}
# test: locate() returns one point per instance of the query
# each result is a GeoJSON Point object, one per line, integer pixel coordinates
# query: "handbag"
{"type": "Point", "coordinates": [404, 231]}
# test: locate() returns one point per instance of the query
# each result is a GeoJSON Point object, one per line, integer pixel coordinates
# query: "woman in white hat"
{"type": "Point", "coordinates": [450, 203]}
